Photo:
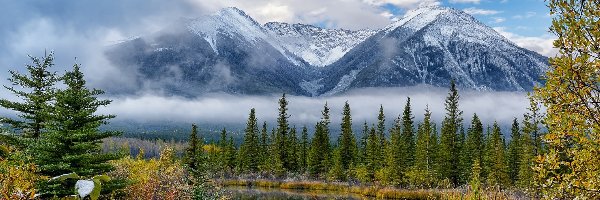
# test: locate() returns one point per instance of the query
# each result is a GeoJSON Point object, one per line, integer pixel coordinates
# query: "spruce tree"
{"type": "Point", "coordinates": [249, 150]}
{"type": "Point", "coordinates": [372, 152]}
{"type": "Point", "coordinates": [363, 143]}
{"type": "Point", "coordinates": [347, 141]}
{"type": "Point", "coordinates": [281, 138]}
{"type": "Point", "coordinates": [396, 154]}
{"type": "Point", "coordinates": [474, 145]}
{"type": "Point", "coordinates": [35, 91]}
{"type": "Point", "coordinates": [292, 148]}
{"type": "Point", "coordinates": [231, 154]}
{"type": "Point", "coordinates": [264, 146]}
{"type": "Point", "coordinates": [526, 161]}
{"type": "Point", "coordinates": [449, 144]}
{"type": "Point", "coordinates": [514, 152]}
{"type": "Point", "coordinates": [304, 149]}
{"type": "Point", "coordinates": [425, 148]}
{"type": "Point", "coordinates": [72, 141]}
{"type": "Point", "coordinates": [192, 158]}
{"type": "Point", "coordinates": [408, 135]}
{"type": "Point", "coordinates": [381, 134]}
{"type": "Point", "coordinates": [320, 148]}
{"type": "Point", "coordinates": [498, 173]}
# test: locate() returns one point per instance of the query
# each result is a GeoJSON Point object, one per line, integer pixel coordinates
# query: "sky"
{"type": "Point", "coordinates": [77, 31]}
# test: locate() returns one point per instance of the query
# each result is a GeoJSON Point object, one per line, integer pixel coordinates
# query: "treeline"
{"type": "Point", "coordinates": [407, 154]}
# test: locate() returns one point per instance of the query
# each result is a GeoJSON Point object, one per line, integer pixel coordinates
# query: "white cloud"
{"type": "Point", "coordinates": [525, 16]}
{"type": "Point", "coordinates": [364, 104]}
{"type": "Point", "coordinates": [543, 45]}
{"type": "Point", "coordinates": [478, 11]}
{"type": "Point", "coordinates": [407, 4]}
{"type": "Point", "coordinates": [465, 1]}
{"type": "Point", "coordinates": [349, 14]}
{"type": "Point", "coordinates": [498, 20]}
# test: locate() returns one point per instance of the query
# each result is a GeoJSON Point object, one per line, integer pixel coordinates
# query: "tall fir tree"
{"type": "Point", "coordinates": [514, 152]}
{"type": "Point", "coordinates": [281, 138]}
{"type": "Point", "coordinates": [372, 159]}
{"type": "Point", "coordinates": [264, 146]}
{"type": "Point", "coordinates": [292, 148]}
{"type": "Point", "coordinates": [304, 149]}
{"type": "Point", "coordinates": [192, 158]}
{"type": "Point", "coordinates": [363, 143]}
{"type": "Point", "coordinates": [474, 145]}
{"type": "Point", "coordinates": [249, 150]}
{"type": "Point", "coordinates": [320, 148]}
{"type": "Point", "coordinates": [449, 144]}
{"type": "Point", "coordinates": [347, 141]}
{"type": "Point", "coordinates": [408, 135]}
{"type": "Point", "coordinates": [381, 134]}
{"type": "Point", "coordinates": [526, 161]}
{"type": "Point", "coordinates": [498, 173]}
{"type": "Point", "coordinates": [425, 145]}
{"type": "Point", "coordinates": [396, 155]}
{"type": "Point", "coordinates": [35, 91]}
{"type": "Point", "coordinates": [72, 141]}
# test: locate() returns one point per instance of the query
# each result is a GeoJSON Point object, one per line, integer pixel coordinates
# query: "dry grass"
{"type": "Point", "coordinates": [371, 191]}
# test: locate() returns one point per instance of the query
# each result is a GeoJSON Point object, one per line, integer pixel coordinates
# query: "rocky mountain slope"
{"type": "Point", "coordinates": [230, 52]}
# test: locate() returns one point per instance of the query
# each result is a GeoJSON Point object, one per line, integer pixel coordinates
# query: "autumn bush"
{"type": "Point", "coordinates": [17, 178]}
{"type": "Point", "coordinates": [162, 178]}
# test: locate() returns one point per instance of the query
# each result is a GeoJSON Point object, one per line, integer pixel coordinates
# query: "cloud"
{"type": "Point", "coordinates": [497, 20]}
{"type": "Point", "coordinates": [348, 14]}
{"type": "Point", "coordinates": [478, 11]}
{"type": "Point", "coordinates": [525, 16]}
{"type": "Point", "coordinates": [465, 1]}
{"type": "Point", "coordinates": [543, 45]}
{"type": "Point", "coordinates": [364, 103]}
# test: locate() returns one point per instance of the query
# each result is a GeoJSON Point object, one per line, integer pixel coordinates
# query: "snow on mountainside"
{"type": "Point", "coordinates": [432, 45]}
{"type": "Point", "coordinates": [230, 52]}
{"type": "Point", "coordinates": [235, 23]}
{"type": "Point", "coordinates": [317, 46]}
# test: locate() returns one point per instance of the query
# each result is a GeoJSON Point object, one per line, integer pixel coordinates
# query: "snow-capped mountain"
{"type": "Point", "coordinates": [317, 46]}
{"type": "Point", "coordinates": [432, 45]}
{"type": "Point", "coordinates": [230, 52]}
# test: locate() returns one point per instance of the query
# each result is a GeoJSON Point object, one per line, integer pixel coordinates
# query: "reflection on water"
{"type": "Point", "coordinates": [257, 193]}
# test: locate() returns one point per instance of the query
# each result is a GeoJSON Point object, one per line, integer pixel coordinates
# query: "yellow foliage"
{"type": "Point", "coordinates": [571, 166]}
{"type": "Point", "coordinates": [17, 180]}
{"type": "Point", "coordinates": [163, 178]}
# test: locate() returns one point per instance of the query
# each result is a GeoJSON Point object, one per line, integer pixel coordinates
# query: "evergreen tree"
{"type": "Point", "coordinates": [264, 146]}
{"type": "Point", "coordinates": [396, 154]}
{"type": "Point", "coordinates": [192, 158]}
{"type": "Point", "coordinates": [249, 150]}
{"type": "Point", "coordinates": [35, 97]}
{"type": "Point", "coordinates": [531, 124]}
{"type": "Point", "coordinates": [514, 152]}
{"type": "Point", "coordinates": [231, 154]}
{"type": "Point", "coordinates": [526, 161]}
{"type": "Point", "coordinates": [293, 150]}
{"type": "Point", "coordinates": [336, 172]}
{"type": "Point", "coordinates": [281, 138]}
{"type": "Point", "coordinates": [347, 141]}
{"type": "Point", "coordinates": [363, 143]}
{"type": "Point", "coordinates": [381, 134]}
{"type": "Point", "coordinates": [449, 144]}
{"type": "Point", "coordinates": [425, 148]}
{"type": "Point", "coordinates": [498, 174]}
{"type": "Point", "coordinates": [474, 145]}
{"type": "Point", "coordinates": [223, 143]}
{"type": "Point", "coordinates": [72, 141]}
{"type": "Point", "coordinates": [408, 135]}
{"type": "Point", "coordinates": [320, 148]}
{"type": "Point", "coordinates": [304, 149]}
{"type": "Point", "coordinates": [372, 152]}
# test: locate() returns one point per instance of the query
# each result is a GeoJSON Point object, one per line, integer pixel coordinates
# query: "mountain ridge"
{"type": "Point", "coordinates": [230, 52]}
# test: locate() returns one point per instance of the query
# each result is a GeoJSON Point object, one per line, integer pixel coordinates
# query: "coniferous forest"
{"type": "Point", "coordinates": [55, 148]}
